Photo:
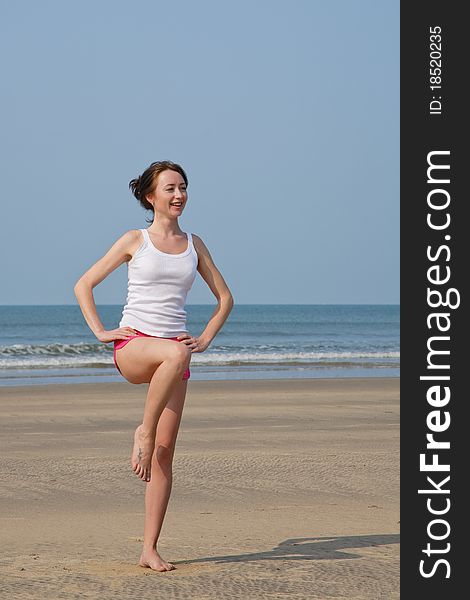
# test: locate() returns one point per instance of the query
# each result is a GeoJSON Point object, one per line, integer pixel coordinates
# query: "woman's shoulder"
{"type": "Point", "coordinates": [130, 241]}
{"type": "Point", "coordinates": [131, 236]}
{"type": "Point", "coordinates": [200, 247]}
{"type": "Point", "coordinates": [197, 241]}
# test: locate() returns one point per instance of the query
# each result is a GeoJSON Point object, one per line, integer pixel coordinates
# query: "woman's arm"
{"type": "Point", "coordinates": [120, 252]}
{"type": "Point", "coordinates": [212, 276]}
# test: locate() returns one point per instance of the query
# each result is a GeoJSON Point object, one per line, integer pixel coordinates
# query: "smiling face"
{"type": "Point", "coordinates": [170, 195]}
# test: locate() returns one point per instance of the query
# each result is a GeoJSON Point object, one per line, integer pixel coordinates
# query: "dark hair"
{"type": "Point", "coordinates": [147, 182]}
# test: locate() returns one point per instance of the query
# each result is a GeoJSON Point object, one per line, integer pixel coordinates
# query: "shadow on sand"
{"type": "Point", "coordinates": [313, 548]}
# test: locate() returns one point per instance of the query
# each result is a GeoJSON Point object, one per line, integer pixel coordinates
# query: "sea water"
{"type": "Point", "coordinates": [47, 344]}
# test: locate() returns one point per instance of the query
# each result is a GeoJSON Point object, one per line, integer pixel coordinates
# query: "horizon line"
{"type": "Point", "coordinates": [240, 304]}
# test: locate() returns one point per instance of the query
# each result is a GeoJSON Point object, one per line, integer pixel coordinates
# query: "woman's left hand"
{"type": "Point", "coordinates": [195, 344]}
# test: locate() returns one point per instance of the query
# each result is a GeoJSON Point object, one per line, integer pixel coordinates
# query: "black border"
{"type": "Point", "coordinates": [422, 132]}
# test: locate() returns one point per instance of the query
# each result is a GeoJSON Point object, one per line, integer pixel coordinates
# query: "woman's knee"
{"type": "Point", "coordinates": [180, 356]}
{"type": "Point", "coordinates": [164, 456]}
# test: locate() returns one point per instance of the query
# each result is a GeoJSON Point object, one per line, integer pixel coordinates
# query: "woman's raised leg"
{"type": "Point", "coordinates": [159, 488]}
{"type": "Point", "coordinates": [162, 364]}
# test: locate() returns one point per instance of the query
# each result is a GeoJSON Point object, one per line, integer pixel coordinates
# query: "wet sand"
{"type": "Point", "coordinates": [282, 489]}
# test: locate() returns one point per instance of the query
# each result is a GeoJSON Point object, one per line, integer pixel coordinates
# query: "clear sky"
{"type": "Point", "coordinates": [285, 116]}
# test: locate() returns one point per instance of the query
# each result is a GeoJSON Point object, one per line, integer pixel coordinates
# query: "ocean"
{"type": "Point", "coordinates": [53, 344]}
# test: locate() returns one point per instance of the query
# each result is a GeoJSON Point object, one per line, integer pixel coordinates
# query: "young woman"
{"type": "Point", "coordinates": [152, 344]}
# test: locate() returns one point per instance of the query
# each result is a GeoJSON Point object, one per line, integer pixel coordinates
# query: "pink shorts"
{"type": "Point", "coordinates": [121, 343]}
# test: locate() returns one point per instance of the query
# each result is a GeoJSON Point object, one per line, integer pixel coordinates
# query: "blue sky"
{"type": "Point", "coordinates": [285, 117]}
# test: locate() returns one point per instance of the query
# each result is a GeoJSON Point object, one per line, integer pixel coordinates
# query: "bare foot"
{"type": "Point", "coordinates": [151, 558]}
{"type": "Point", "coordinates": [141, 457]}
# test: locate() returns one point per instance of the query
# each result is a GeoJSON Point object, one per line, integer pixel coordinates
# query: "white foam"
{"type": "Point", "coordinates": [65, 359]}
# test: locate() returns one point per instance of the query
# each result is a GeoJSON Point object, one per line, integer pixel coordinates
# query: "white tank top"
{"type": "Point", "coordinates": [158, 284]}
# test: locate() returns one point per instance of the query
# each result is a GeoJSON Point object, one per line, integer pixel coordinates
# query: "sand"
{"type": "Point", "coordinates": [282, 489]}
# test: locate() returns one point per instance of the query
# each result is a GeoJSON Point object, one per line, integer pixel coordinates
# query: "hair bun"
{"type": "Point", "coordinates": [134, 186]}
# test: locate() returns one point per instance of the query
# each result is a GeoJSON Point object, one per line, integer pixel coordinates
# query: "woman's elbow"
{"type": "Point", "coordinates": [76, 288]}
{"type": "Point", "coordinates": [228, 299]}
{"type": "Point", "coordinates": [81, 284]}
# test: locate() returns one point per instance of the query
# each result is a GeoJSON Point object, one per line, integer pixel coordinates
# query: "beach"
{"type": "Point", "coordinates": [283, 488]}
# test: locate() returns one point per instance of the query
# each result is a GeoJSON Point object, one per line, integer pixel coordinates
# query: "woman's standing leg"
{"type": "Point", "coordinates": [158, 488]}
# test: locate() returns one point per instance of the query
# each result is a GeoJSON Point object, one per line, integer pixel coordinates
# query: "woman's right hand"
{"type": "Point", "coordinates": [121, 333]}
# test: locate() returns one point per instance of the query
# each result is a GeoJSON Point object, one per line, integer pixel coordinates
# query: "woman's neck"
{"type": "Point", "coordinates": [165, 227]}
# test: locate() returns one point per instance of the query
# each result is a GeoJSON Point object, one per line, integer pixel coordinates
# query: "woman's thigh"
{"type": "Point", "coordinates": [140, 357]}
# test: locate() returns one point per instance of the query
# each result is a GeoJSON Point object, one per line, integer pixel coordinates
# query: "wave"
{"type": "Point", "coordinates": [85, 355]}
{"type": "Point", "coordinates": [277, 357]}
{"type": "Point", "coordinates": [53, 349]}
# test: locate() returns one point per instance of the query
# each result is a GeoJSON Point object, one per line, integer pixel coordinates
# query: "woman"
{"type": "Point", "coordinates": [152, 344]}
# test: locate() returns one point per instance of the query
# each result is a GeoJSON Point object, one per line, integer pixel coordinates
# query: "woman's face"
{"type": "Point", "coordinates": [170, 196]}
